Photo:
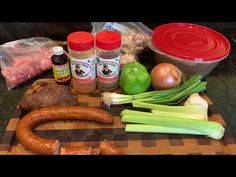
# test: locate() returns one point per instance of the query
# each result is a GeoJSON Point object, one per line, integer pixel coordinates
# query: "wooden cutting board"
{"type": "Point", "coordinates": [80, 133]}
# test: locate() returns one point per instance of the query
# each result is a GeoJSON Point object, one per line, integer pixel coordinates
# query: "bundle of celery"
{"type": "Point", "coordinates": [171, 119]}
{"type": "Point", "coordinates": [166, 97]}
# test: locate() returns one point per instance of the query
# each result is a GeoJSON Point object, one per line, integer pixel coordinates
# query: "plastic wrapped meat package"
{"type": "Point", "coordinates": [135, 36]}
{"type": "Point", "coordinates": [24, 59]}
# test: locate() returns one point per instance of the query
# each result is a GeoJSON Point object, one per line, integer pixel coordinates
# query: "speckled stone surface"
{"type": "Point", "coordinates": [9, 99]}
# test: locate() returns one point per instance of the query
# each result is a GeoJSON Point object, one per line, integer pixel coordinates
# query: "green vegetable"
{"type": "Point", "coordinates": [191, 111]}
{"type": "Point", "coordinates": [185, 109]}
{"type": "Point", "coordinates": [197, 116]}
{"type": "Point", "coordinates": [159, 129]}
{"type": "Point", "coordinates": [162, 114]}
{"type": "Point", "coordinates": [134, 78]}
{"type": "Point", "coordinates": [209, 128]}
{"type": "Point", "coordinates": [165, 97]}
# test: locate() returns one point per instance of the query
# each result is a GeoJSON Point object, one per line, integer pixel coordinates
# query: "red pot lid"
{"type": "Point", "coordinates": [191, 42]}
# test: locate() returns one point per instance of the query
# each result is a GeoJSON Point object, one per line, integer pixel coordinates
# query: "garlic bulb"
{"type": "Point", "coordinates": [196, 99]}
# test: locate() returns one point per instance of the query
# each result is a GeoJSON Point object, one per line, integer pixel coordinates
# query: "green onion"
{"type": "Point", "coordinates": [159, 129]}
{"type": "Point", "coordinates": [166, 97]}
{"type": "Point", "coordinates": [209, 128]}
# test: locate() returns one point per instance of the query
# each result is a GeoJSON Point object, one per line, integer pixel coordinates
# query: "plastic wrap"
{"type": "Point", "coordinates": [24, 59]}
{"type": "Point", "coordinates": [135, 36]}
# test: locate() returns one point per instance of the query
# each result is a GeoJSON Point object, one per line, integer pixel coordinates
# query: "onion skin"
{"type": "Point", "coordinates": [165, 76]}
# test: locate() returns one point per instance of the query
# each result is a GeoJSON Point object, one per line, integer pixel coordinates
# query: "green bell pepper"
{"type": "Point", "coordinates": [134, 78]}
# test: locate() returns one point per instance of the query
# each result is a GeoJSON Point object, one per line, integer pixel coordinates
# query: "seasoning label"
{"type": "Point", "coordinates": [61, 72]}
{"type": "Point", "coordinates": [108, 69]}
{"type": "Point", "coordinates": [83, 69]}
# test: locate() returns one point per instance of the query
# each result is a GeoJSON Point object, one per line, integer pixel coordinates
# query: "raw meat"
{"type": "Point", "coordinates": [27, 66]}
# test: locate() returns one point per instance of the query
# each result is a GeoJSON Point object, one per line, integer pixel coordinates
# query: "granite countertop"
{"type": "Point", "coordinates": [221, 89]}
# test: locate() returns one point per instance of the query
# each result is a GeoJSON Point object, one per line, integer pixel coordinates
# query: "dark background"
{"type": "Point", "coordinates": [59, 31]}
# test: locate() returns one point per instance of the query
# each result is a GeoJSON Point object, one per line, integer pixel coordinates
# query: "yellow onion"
{"type": "Point", "coordinates": [165, 76]}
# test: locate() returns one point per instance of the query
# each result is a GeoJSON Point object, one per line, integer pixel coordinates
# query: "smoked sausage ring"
{"type": "Point", "coordinates": [45, 146]}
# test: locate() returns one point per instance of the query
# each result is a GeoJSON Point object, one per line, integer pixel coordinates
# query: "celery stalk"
{"type": "Point", "coordinates": [133, 112]}
{"type": "Point", "coordinates": [162, 114]}
{"type": "Point", "coordinates": [181, 109]}
{"type": "Point", "coordinates": [159, 129]}
{"type": "Point", "coordinates": [197, 116]}
{"type": "Point", "coordinates": [191, 111]}
{"type": "Point", "coordinates": [210, 128]}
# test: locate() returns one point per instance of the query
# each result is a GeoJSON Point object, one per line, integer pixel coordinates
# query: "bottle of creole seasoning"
{"type": "Point", "coordinates": [82, 61]}
{"type": "Point", "coordinates": [60, 65]}
{"type": "Point", "coordinates": [108, 59]}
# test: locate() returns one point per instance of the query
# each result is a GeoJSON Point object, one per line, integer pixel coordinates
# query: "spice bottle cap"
{"type": "Point", "coordinates": [57, 50]}
{"type": "Point", "coordinates": [108, 40]}
{"type": "Point", "coordinates": [80, 41]}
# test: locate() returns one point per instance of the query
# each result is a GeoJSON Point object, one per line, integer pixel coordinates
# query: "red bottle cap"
{"type": "Point", "coordinates": [108, 40]}
{"type": "Point", "coordinates": [191, 42]}
{"type": "Point", "coordinates": [80, 41]}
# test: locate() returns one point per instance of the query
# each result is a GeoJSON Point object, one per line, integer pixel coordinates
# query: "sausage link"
{"type": "Point", "coordinates": [107, 148]}
{"type": "Point", "coordinates": [46, 146]}
{"type": "Point", "coordinates": [37, 144]}
{"type": "Point", "coordinates": [76, 151]}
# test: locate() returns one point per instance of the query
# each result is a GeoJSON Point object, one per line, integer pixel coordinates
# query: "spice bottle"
{"type": "Point", "coordinates": [60, 65]}
{"type": "Point", "coordinates": [108, 59]}
{"type": "Point", "coordinates": [82, 61]}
